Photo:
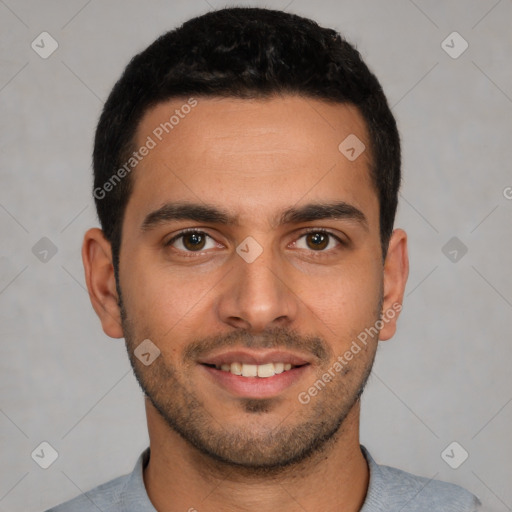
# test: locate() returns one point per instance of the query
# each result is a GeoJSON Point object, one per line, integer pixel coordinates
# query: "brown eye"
{"type": "Point", "coordinates": [194, 241]}
{"type": "Point", "coordinates": [317, 241]}
{"type": "Point", "coordinates": [191, 241]}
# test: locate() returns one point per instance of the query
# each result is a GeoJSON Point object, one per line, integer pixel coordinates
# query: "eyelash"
{"type": "Point", "coordinates": [324, 231]}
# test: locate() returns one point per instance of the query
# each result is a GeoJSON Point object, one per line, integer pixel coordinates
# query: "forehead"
{"type": "Point", "coordinates": [252, 156]}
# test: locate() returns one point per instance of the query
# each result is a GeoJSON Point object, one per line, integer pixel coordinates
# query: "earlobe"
{"type": "Point", "coordinates": [396, 272]}
{"type": "Point", "coordinates": [100, 280]}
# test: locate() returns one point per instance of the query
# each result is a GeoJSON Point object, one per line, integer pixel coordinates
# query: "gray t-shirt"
{"type": "Point", "coordinates": [389, 490]}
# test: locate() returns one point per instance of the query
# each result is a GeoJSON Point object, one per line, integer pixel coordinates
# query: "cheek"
{"type": "Point", "coordinates": [161, 297]}
{"type": "Point", "coordinates": [349, 292]}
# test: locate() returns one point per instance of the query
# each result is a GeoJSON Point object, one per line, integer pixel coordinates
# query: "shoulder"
{"type": "Point", "coordinates": [106, 497]}
{"type": "Point", "coordinates": [394, 489]}
{"type": "Point", "coordinates": [118, 495]}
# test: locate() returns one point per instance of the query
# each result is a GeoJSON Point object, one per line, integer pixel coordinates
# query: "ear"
{"type": "Point", "coordinates": [100, 279]}
{"type": "Point", "coordinates": [396, 272]}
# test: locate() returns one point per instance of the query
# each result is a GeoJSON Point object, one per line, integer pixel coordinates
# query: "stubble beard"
{"type": "Point", "coordinates": [265, 450]}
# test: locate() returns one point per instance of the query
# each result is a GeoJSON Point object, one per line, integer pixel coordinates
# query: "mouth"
{"type": "Point", "coordinates": [263, 371]}
{"type": "Point", "coordinates": [255, 374]}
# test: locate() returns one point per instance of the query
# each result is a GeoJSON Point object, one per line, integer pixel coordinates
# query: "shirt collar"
{"type": "Point", "coordinates": [133, 495]}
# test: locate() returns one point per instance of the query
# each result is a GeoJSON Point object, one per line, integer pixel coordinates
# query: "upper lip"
{"type": "Point", "coordinates": [245, 356]}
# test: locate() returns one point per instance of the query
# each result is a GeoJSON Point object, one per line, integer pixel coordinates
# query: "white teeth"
{"type": "Point", "coordinates": [236, 368]}
{"type": "Point", "coordinates": [255, 370]}
{"type": "Point", "coordinates": [249, 370]}
{"type": "Point", "coordinates": [278, 368]}
{"type": "Point", "coordinates": [266, 370]}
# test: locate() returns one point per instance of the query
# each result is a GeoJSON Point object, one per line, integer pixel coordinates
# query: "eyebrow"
{"type": "Point", "coordinates": [205, 213]}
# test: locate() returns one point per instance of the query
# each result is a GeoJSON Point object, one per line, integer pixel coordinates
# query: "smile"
{"type": "Point", "coordinates": [255, 370]}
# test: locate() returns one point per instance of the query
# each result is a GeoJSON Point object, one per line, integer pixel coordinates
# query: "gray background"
{"type": "Point", "coordinates": [446, 374]}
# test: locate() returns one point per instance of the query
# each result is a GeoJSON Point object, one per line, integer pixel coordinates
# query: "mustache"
{"type": "Point", "coordinates": [276, 338]}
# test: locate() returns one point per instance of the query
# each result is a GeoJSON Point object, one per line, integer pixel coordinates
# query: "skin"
{"type": "Point", "coordinates": [255, 159]}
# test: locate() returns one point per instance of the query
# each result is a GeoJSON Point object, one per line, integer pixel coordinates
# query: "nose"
{"type": "Point", "coordinates": [258, 295]}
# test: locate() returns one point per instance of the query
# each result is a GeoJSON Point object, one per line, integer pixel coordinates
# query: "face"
{"type": "Point", "coordinates": [251, 259]}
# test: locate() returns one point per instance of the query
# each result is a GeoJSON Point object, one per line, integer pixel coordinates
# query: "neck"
{"type": "Point", "coordinates": [178, 477]}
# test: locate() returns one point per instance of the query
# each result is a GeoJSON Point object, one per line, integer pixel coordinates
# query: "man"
{"type": "Point", "coordinates": [247, 168]}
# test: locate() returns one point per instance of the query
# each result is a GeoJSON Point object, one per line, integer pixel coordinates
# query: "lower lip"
{"type": "Point", "coordinates": [256, 387]}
